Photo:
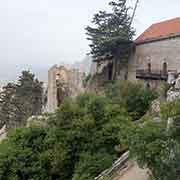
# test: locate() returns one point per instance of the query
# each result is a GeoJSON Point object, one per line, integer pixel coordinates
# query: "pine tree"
{"type": "Point", "coordinates": [19, 101]}
{"type": "Point", "coordinates": [112, 33]}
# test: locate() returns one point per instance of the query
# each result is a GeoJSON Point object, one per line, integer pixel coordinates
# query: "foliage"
{"type": "Point", "coordinates": [85, 135]}
{"type": "Point", "coordinates": [156, 145]}
{"type": "Point", "coordinates": [82, 137]}
{"type": "Point", "coordinates": [164, 89]}
{"type": "Point", "coordinates": [92, 164]}
{"type": "Point", "coordinates": [135, 97]}
{"type": "Point", "coordinates": [86, 80]}
{"type": "Point", "coordinates": [20, 100]}
{"type": "Point", "coordinates": [21, 155]}
{"type": "Point", "coordinates": [170, 109]}
{"type": "Point", "coordinates": [112, 31]}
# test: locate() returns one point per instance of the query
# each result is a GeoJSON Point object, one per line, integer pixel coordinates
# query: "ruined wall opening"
{"type": "Point", "coordinates": [164, 68]}
{"type": "Point", "coordinates": [59, 98]}
{"type": "Point", "coordinates": [149, 67]}
{"type": "Point", "coordinates": [110, 71]}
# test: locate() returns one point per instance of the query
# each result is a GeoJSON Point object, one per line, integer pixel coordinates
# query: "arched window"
{"type": "Point", "coordinates": [149, 67]}
{"type": "Point", "coordinates": [164, 70]}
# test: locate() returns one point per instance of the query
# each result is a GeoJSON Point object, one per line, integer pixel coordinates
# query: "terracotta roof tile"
{"type": "Point", "coordinates": [160, 30]}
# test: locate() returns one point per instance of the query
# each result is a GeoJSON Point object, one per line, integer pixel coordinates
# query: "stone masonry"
{"type": "Point", "coordinates": [157, 53]}
{"type": "Point", "coordinates": [62, 82]}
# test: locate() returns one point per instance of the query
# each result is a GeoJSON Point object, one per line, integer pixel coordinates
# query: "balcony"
{"type": "Point", "coordinates": [151, 75]}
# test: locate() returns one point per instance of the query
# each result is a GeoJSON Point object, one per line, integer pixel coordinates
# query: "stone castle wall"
{"type": "Point", "coordinates": [51, 90]}
{"type": "Point", "coordinates": [62, 82]}
{"type": "Point", "coordinates": [156, 53]}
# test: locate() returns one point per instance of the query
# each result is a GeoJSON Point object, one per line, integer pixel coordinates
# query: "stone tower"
{"type": "Point", "coordinates": [52, 89]}
{"type": "Point", "coordinates": [62, 82]}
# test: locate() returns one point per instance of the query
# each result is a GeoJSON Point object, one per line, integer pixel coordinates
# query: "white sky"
{"type": "Point", "coordinates": [44, 32]}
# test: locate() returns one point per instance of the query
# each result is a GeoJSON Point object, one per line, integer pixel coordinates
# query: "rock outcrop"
{"type": "Point", "coordinates": [173, 94]}
{"type": "Point", "coordinates": [37, 121]}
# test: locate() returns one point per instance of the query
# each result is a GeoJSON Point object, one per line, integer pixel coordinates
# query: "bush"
{"type": "Point", "coordinates": [156, 145]}
{"type": "Point", "coordinates": [86, 135]}
{"type": "Point", "coordinates": [136, 98]}
{"type": "Point", "coordinates": [90, 165]}
{"type": "Point", "coordinates": [20, 155]}
{"type": "Point", "coordinates": [82, 138]}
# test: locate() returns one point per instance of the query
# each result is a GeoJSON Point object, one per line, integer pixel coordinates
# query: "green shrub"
{"type": "Point", "coordinates": [85, 136]}
{"type": "Point", "coordinates": [92, 164]}
{"type": "Point", "coordinates": [82, 138]}
{"type": "Point", "coordinates": [135, 97]}
{"type": "Point", "coordinates": [156, 145]}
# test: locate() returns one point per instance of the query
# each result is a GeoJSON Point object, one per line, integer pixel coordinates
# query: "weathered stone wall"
{"type": "Point", "coordinates": [98, 80]}
{"type": "Point", "coordinates": [156, 53]}
{"type": "Point", "coordinates": [69, 81]}
{"type": "Point", "coordinates": [52, 89]}
{"type": "Point", "coordinates": [104, 72]}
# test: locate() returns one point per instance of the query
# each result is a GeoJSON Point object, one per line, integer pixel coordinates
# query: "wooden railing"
{"type": "Point", "coordinates": [151, 74]}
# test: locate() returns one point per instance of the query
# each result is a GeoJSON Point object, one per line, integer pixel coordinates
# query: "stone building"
{"type": "Point", "coordinates": [156, 53]}
{"type": "Point", "coordinates": [62, 82]}
{"type": "Point", "coordinates": [154, 56]}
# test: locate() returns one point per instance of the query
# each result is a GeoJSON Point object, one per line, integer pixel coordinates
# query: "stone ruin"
{"type": "Point", "coordinates": [62, 82]}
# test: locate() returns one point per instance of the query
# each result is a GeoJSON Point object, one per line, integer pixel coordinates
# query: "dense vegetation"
{"type": "Point", "coordinates": [81, 139]}
{"type": "Point", "coordinates": [156, 145]}
{"type": "Point", "coordinates": [19, 101]}
{"type": "Point", "coordinates": [133, 96]}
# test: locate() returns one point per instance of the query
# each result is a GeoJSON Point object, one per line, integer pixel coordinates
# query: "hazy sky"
{"type": "Point", "coordinates": [45, 32]}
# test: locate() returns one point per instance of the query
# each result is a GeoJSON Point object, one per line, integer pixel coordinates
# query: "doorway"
{"type": "Point", "coordinates": [110, 71]}
{"type": "Point", "coordinates": [164, 70]}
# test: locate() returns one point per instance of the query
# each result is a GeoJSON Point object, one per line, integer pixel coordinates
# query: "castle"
{"type": "Point", "coordinates": [62, 82]}
{"type": "Point", "coordinates": [156, 53]}
{"type": "Point", "coordinates": [155, 56]}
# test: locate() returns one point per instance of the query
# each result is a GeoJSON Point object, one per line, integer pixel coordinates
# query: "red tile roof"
{"type": "Point", "coordinates": [160, 30]}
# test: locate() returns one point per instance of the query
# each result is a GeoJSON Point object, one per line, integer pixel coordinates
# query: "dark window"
{"type": "Point", "coordinates": [164, 68]}
{"type": "Point", "coordinates": [110, 71]}
{"type": "Point", "coordinates": [149, 67]}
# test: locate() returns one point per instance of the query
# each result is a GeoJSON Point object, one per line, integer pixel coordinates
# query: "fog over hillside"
{"type": "Point", "coordinates": [10, 73]}
{"type": "Point", "coordinates": [83, 65]}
